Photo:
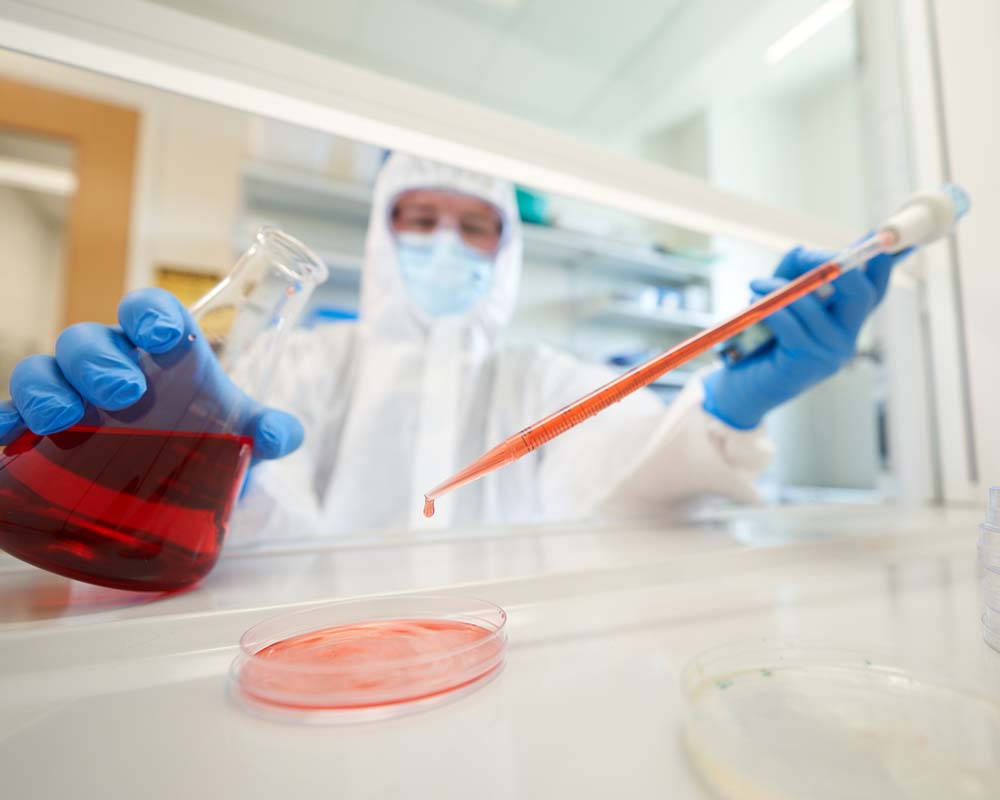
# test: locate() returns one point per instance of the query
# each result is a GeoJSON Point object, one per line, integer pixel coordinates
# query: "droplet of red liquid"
{"type": "Point", "coordinates": [428, 506]}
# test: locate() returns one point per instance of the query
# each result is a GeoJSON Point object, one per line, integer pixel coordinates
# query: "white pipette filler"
{"type": "Point", "coordinates": [924, 218]}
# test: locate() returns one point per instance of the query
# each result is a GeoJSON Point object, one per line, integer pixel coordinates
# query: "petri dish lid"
{"type": "Point", "coordinates": [788, 721]}
{"type": "Point", "coordinates": [989, 557]}
{"type": "Point", "coordinates": [991, 618]}
{"type": "Point", "coordinates": [372, 658]}
{"type": "Point", "coordinates": [991, 590]}
{"type": "Point", "coordinates": [989, 536]}
{"type": "Point", "coordinates": [990, 634]}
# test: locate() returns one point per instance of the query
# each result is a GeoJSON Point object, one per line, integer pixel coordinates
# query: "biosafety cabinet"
{"type": "Point", "coordinates": [665, 153]}
{"type": "Point", "coordinates": [681, 147]}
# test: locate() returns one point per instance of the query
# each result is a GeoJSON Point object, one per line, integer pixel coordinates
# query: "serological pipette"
{"type": "Point", "coordinates": [924, 218]}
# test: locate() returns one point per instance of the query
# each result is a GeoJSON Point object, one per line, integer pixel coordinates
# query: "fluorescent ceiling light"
{"type": "Point", "coordinates": [37, 177]}
{"type": "Point", "coordinates": [805, 30]}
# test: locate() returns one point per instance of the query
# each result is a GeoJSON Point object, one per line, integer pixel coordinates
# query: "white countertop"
{"type": "Point", "coordinates": [105, 694]}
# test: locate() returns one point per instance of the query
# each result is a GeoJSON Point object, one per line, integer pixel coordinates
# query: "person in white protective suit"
{"type": "Point", "coordinates": [424, 384]}
{"type": "Point", "coordinates": [400, 401]}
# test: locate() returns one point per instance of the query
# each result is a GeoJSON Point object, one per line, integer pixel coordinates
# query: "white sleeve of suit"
{"type": "Point", "coordinates": [280, 500]}
{"type": "Point", "coordinates": [645, 459]}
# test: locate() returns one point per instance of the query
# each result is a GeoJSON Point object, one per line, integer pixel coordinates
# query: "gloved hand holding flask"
{"type": "Point", "coordinates": [126, 449]}
{"type": "Point", "coordinates": [98, 365]}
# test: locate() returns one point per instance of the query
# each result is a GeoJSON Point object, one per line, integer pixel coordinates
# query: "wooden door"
{"type": "Point", "coordinates": [104, 138]}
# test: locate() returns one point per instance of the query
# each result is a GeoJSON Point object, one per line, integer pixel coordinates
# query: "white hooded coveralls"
{"type": "Point", "coordinates": [398, 402]}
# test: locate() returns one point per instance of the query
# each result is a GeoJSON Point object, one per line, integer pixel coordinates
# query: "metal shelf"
{"type": "Point", "coordinates": [679, 321]}
{"type": "Point", "coordinates": [271, 187]}
{"type": "Point", "coordinates": [280, 190]}
{"type": "Point", "coordinates": [586, 251]}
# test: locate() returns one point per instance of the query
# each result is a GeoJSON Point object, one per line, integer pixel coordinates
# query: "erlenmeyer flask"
{"type": "Point", "coordinates": [140, 499]}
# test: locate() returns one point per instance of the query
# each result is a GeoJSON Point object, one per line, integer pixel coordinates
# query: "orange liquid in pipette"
{"type": "Point", "coordinates": [546, 429]}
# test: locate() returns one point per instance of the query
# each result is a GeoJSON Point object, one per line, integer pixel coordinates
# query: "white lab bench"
{"type": "Point", "coordinates": [109, 695]}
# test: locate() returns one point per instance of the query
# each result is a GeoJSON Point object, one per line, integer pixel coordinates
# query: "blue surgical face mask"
{"type": "Point", "coordinates": [443, 275]}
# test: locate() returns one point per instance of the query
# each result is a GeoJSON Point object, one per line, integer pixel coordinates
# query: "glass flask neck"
{"type": "Point", "coordinates": [286, 255]}
{"type": "Point", "coordinates": [247, 315]}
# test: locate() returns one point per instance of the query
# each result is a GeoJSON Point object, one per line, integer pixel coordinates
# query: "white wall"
{"type": "Point", "coordinates": [968, 33]}
{"type": "Point", "coordinates": [196, 161]}
{"type": "Point", "coordinates": [828, 127]}
{"type": "Point", "coordinates": [801, 150]}
{"type": "Point", "coordinates": [683, 145]}
{"type": "Point", "coordinates": [742, 157]}
{"type": "Point", "coordinates": [33, 262]}
{"type": "Point", "coordinates": [888, 133]}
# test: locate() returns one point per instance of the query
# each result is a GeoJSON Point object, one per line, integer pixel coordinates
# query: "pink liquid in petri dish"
{"type": "Point", "coordinates": [373, 663]}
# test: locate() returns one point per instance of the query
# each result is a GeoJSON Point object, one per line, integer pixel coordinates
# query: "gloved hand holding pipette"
{"type": "Point", "coordinates": [813, 338]}
{"type": "Point", "coordinates": [96, 364]}
{"type": "Point", "coordinates": [780, 361]}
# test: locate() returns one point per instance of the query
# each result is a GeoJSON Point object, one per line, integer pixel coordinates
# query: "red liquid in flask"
{"type": "Point", "coordinates": [132, 509]}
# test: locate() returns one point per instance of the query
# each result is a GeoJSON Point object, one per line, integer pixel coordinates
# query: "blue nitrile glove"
{"type": "Point", "coordinates": [813, 339]}
{"type": "Point", "coordinates": [98, 365]}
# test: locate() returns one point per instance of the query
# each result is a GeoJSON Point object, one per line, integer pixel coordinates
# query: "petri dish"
{"type": "Point", "coordinates": [367, 659]}
{"type": "Point", "coordinates": [788, 721]}
{"type": "Point", "coordinates": [991, 589]}
{"type": "Point", "coordinates": [989, 556]}
{"type": "Point", "coordinates": [991, 634]}
{"type": "Point", "coordinates": [991, 619]}
{"type": "Point", "coordinates": [989, 536]}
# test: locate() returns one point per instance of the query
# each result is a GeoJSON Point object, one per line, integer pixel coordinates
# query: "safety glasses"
{"type": "Point", "coordinates": [425, 211]}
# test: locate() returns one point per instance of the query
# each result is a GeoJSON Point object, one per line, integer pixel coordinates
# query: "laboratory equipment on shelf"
{"type": "Point", "coordinates": [927, 216]}
{"type": "Point", "coordinates": [140, 499]}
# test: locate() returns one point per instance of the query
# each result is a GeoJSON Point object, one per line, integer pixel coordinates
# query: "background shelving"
{"type": "Point", "coordinates": [573, 280]}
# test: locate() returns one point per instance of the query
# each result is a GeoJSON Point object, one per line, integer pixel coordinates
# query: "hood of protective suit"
{"type": "Point", "coordinates": [418, 381]}
{"type": "Point", "coordinates": [386, 308]}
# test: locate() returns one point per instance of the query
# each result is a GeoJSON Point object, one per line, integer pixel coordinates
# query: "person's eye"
{"type": "Point", "coordinates": [474, 228]}
{"type": "Point", "coordinates": [420, 222]}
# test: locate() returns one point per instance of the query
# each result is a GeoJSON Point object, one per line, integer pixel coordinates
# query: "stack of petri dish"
{"type": "Point", "coordinates": [989, 557]}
